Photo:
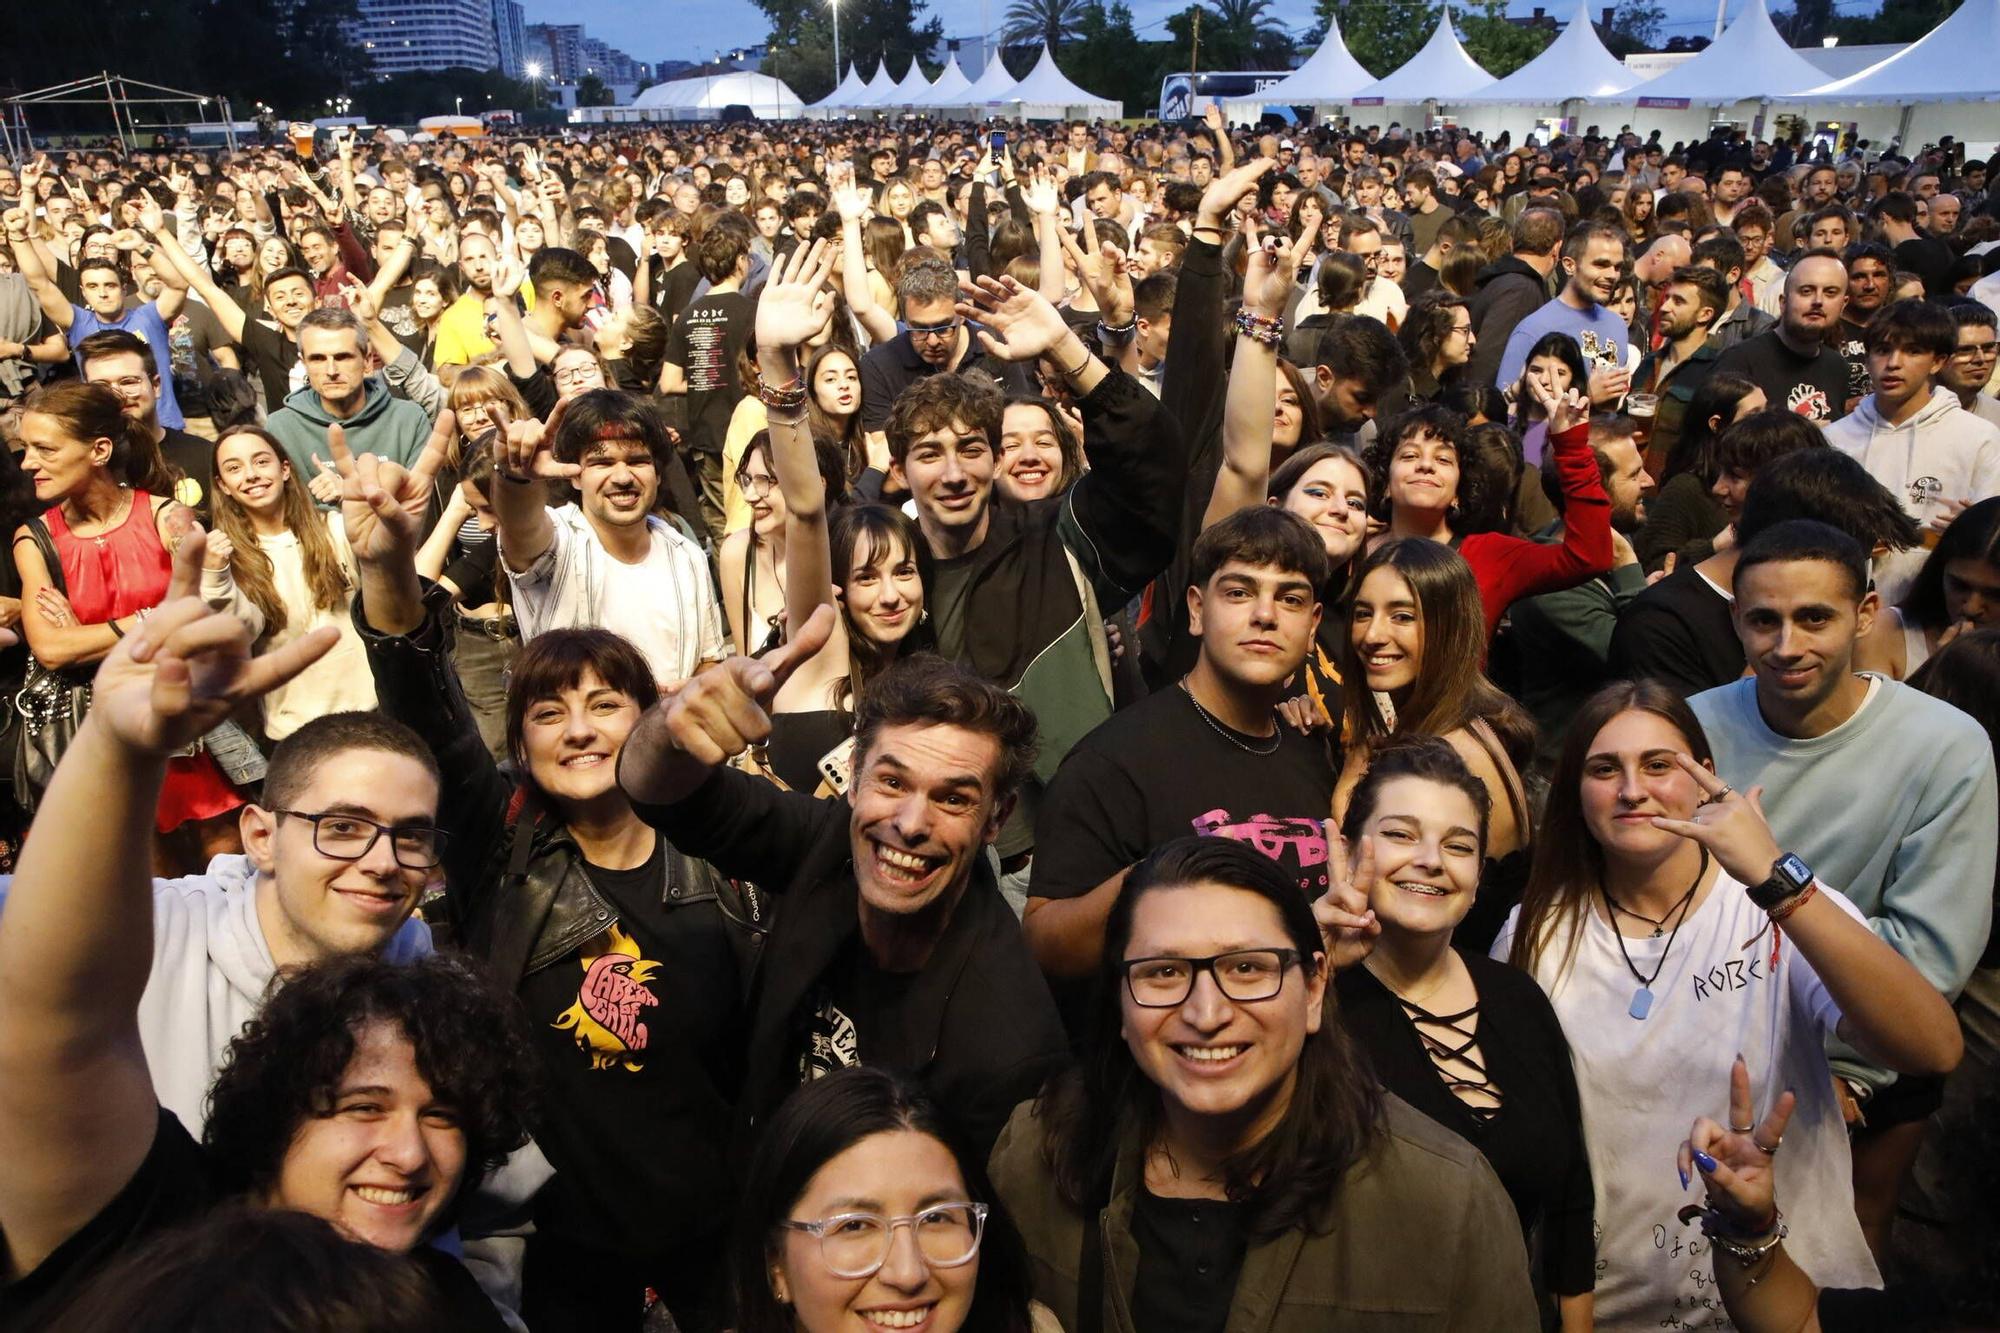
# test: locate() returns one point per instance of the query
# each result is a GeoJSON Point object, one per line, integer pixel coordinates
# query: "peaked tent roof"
{"type": "Point", "coordinates": [913, 88]}
{"type": "Point", "coordinates": [1047, 86]}
{"type": "Point", "coordinates": [992, 85]}
{"type": "Point", "coordinates": [1440, 72]}
{"type": "Point", "coordinates": [850, 88]}
{"type": "Point", "coordinates": [1951, 63]}
{"type": "Point", "coordinates": [879, 87]}
{"type": "Point", "coordinates": [1574, 65]}
{"type": "Point", "coordinates": [1749, 61]}
{"type": "Point", "coordinates": [1332, 74]}
{"type": "Point", "coordinates": [951, 84]}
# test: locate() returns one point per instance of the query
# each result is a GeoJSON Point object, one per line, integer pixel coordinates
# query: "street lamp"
{"type": "Point", "coordinates": [533, 69]}
{"type": "Point", "coordinates": [836, 42]}
{"type": "Point", "coordinates": [458, 105]}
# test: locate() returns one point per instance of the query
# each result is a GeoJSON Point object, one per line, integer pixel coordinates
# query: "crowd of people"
{"type": "Point", "coordinates": [903, 725]}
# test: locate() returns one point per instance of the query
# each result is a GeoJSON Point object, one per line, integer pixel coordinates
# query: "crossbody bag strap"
{"type": "Point", "coordinates": [1517, 795]}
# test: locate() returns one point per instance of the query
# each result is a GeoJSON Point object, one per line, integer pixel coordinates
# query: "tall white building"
{"type": "Point", "coordinates": [510, 31]}
{"type": "Point", "coordinates": [404, 36]}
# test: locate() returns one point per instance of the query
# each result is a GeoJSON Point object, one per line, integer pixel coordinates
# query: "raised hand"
{"type": "Point", "coordinates": [525, 450]}
{"type": "Point", "coordinates": [382, 504]}
{"type": "Point", "coordinates": [508, 275]}
{"type": "Point", "coordinates": [1225, 191]}
{"type": "Point", "coordinates": [187, 668]}
{"type": "Point", "coordinates": [1039, 194]}
{"type": "Point", "coordinates": [324, 485]}
{"type": "Point", "coordinates": [1736, 1162]}
{"type": "Point", "coordinates": [1267, 282]}
{"type": "Point", "coordinates": [1564, 407]}
{"type": "Point", "coordinates": [1729, 823]}
{"type": "Point", "coordinates": [1026, 324]}
{"type": "Point", "coordinates": [220, 549]}
{"type": "Point", "coordinates": [849, 199]}
{"type": "Point", "coordinates": [1347, 924]}
{"type": "Point", "coordinates": [721, 713]}
{"type": "Point", "coordinates": [797, 302]}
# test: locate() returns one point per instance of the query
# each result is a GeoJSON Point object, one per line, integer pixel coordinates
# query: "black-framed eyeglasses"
{"type": "Point", "coordinates": [1245, 976]}
{"type": "Point", "coordinates": [346, 837]}
{"type": "Point", "coordinates": [857, 1244]}
{"type": "Point", "coordinates": [944, 330]}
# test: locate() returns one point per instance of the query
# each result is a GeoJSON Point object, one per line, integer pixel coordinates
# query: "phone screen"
{"type": "Point", "coordinates": [999, 142]}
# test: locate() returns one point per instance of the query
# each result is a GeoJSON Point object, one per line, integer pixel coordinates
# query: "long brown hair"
{"type": "Point", "coordinates": [1451, 689]}
{"type": "Point", "coordinates": [846, 436]}
{"type": "Point", "coordinates": [326, 577]}
{"type": "Point", "coordinates": [93, 412]}
{"type": "Point", "coordinates": [1568, 861]}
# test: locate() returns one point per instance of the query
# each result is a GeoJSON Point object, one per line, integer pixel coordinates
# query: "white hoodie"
{"type": "Point", "coordinates": [1943, 452]}
{"type": "Point", "coordinates": [211, 969]}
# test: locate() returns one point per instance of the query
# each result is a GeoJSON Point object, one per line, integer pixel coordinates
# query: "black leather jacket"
{"type": "Point", "coordinates": [517, 894]}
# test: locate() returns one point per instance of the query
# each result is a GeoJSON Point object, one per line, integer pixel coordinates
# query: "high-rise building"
{"type": "Point", "coordinates": [404, 36]}
{"type": "Point", "coordinates": [559, 48]}
{"type": "Point", "coordinates": [510, 33]}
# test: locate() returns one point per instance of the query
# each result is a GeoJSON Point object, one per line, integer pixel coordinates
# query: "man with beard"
{"type": "Point", "coordinates": [605, 559]}
{"type": "Point", "coordinates": [1732, 187]}
{"type": "Point", "coordinates": [1557, 646]}
{"type": "Point", "coordinates": [1792, 363]}
{"type": "Point", "coordinates": [461, 329]}
{"type": "Point", "coordinates": [1593, 260]}
{"type": "Point", "coordinates": [1871, 276]}
{"type": "Point", "coordinates": [1822, 183]}
{"type": "Point", "coordinates": [119, 359]}
{"type": "Point", "coordinates": [1690, 305]}
{"type": "Point", "coordinates": [1357, 363]}
{"type": "Point", "coordinates": [1972, 360]}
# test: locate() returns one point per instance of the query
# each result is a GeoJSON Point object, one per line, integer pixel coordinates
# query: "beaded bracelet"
{"type": "Point", "coordinates": [1270, 332]}
{"type": "Point", "coordinates": [789, 396]}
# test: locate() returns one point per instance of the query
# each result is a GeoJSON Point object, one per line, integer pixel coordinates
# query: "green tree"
{"type": "Point", "coordinates": [1106, 57]}
{"type": "Point", "coordinates": [870, 30]}
{"type": "Point", "coordinates": [1896, 21]}
{"type": "Point", "coordinates": [1636, 26]}
{"type": "Point", "coordinates": [591, 91]}
{"type": "Point", "coordinates": [1032, 22]}
{"type": "Point", "coordinates": [1246, 26]}
{"type": "Point", "coordinates": [1498, 45]}
{"type": "Point", "coordinates": [1382, 34]}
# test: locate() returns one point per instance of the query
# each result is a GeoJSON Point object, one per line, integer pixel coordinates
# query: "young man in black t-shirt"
{"type": "Point", "coordinates": [1794, 363]}
{"type": "Point", "coordinates": [702, 353]}
{"type": "Point", "coordinates": [1209, 756]}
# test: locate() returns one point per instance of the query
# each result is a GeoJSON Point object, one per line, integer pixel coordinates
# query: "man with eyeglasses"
{"type": "Point", "coordinates": [1972, 361]}
{"type": "Point", "coordinates": [123, 361]}
{"type": "Point", "coordinates": [934, 340]}
{"type": "Point", "coordinates": [335, 860]}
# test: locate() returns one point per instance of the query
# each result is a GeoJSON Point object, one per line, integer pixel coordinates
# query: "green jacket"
{"type": "Point", "coordinates": [1422, 1237]}
{"type": "Point", "coordinates": [388, 427]}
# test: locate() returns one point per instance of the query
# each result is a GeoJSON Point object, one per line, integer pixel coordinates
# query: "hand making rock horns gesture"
{"type": "Point", "coordinates": [1729, 823]}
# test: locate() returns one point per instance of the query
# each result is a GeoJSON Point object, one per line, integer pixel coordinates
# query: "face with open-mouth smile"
{"type": "Point", "coordinates": [901, 1173]}
{"type": "Point", "coordinates": [1425, 836]}
{"type": "Point", "coordinates": [1386, 630]}
{"type": "Point", "coordinates": [385, 1159]}
{"type": "Point", "coordinates": [1031, 462]}
{"type": "Point", "coordinates": [1211, 1056]}
{"type": "Point", "coordinates": [251, 472]}
{"type": "Point", "coordinates": [619, 482]}
{"type": "Point", "coordinates": [924, 808]}
{"type": "Point", "coordinates": [573, 737]}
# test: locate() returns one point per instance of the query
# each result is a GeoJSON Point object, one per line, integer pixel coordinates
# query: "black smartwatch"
{"type": "Point", "coordinates": [1789, 875]}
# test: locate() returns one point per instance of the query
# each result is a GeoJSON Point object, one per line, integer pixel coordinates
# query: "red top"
{"type": "Point", "coordinates": [122, 571]}
{"type": "Point", "coordinates": [1509, 568]}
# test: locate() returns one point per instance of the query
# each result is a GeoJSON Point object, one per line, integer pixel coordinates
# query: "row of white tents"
{"type": "Point", "coordinates": [1932, 84]}
{"type": "Point", "coordinates": [1044, 94]}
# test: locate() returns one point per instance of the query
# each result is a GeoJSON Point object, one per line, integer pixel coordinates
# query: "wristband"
{"type": "Point", "coordinates": [787, 397]}
{"type": "Point", "coordinates": [1117, 333]}
{"type": "Point", "coordinates": [1793, 903]}
{"type": "Point", "coordinates": [1257, 328]}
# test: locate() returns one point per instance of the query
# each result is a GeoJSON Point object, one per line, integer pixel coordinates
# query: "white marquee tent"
{"type": "Point", "coordinates": [704, 97]}
{"type": "Point", "coordinates": [1749, 62]}
{"type": "Point", "coordinates": [1954, 62]}
{"type": "Point", "coordinates": [913, 87]}
{"type": "Point", "coordinates": [850, 88]}
{"type": "Point", "coordinates": [992, 85]}
{"type": "Point", "coordinates": [1046, 94]}
{"type": "Point", "coordinates": [950, 86]}
{"type": "Point", "coordinates": [878, 88]}
{"type": "Point", "coordinates": [1330, 76]}
{"type": "Point", "coordinates": [1440, 72]}
{"type": "Point", "coordinates": [1574, 65]}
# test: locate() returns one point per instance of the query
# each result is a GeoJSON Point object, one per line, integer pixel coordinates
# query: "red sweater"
{"type": "Point", "coordinates": [1509, 568]}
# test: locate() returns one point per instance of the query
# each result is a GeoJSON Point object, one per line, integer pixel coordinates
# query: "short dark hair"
{"type": "Point", "coordinates": [1722, 250]}
{"type": "Point", "coordinates": [1966, 314]}
{"type": "Point", "coordinates": [1806, 539]}
{"type": "Point", "coordinates": [722, 247]}
{"type": "Point", "coordinates": [1430, 758]}
{"type": "Point", "coordinates": [1153, 297]}
{"type": "Point", "coordinates": [1577, 243]}
{"type": "Point", "coordinates": [1538, 231]}
{"type": "Point", "coordinates": [86, 265]}
{"type": "Point", "coordinates": [1362, 349]}
{"type": "Point", "coordinates": [1262, 535]}
{"type": "Point", "coordinates": [299, 755]}
{"type": "Point", "coordinates": [599, 414]}
{"type": "Point", "coordinates": [1912, 325]}
{"type": "Point", "coordinates": [1897, 206]}
{"type": "Point", "coordinates": [554, 661]}
{"type": "Point", "coordinates": [920, 216]}
{"type": "Point", "coordinates": [552, 263]}
{"type": "Point", "coordinates": [925, 689]}
{"type": "Point", "coordinates": [1875, 250]}
{"type": "Point", "coordinates": [1709, 282]}
{"type": "Point", "coordinates": [1746, 447]}
{"type": "Point", "coordinates": [278, 275]}
{"type": "Point", "coordinates": [934, 403]}
{"type": "Point", "coordinates": [470, 1042]}
{"type": "Point", "coordinates": [115, 342]}
{"type": "Point", "coordinates": [1831, 487]}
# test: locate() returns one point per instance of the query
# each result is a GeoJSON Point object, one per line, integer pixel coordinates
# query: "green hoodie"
{"type": "Point", "coordinates": [386, 426]}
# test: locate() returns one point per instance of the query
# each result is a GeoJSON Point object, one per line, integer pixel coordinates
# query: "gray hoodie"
{"type": "Point", "coordinates": [211, 969]}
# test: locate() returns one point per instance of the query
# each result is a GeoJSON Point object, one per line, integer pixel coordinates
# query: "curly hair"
{"type": "Point", "coordinates": [935, 403]}
{"type": "Point", "coordinates": [286, 1065]}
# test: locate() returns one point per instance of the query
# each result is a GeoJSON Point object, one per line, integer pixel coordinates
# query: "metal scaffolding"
{"type": "Point", "coordinates": [125, 99]}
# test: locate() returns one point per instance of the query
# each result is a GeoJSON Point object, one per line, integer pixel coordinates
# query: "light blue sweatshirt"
{"type": "Point", "coordinates": [1896, 808]}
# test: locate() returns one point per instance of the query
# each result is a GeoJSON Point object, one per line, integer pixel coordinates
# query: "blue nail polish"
{"type": "Point", "coordinates": [1682, 1174]}
{"type": "Point", "coordinates": [1704, 1161]}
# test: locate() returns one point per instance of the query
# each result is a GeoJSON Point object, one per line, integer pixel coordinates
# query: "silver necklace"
{"type": "Point", "coordinates": [1277, 737]}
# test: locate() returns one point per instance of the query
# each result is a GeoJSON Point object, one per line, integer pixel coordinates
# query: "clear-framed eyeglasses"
{"type": "Point", "coordinates": [1244, 976]}
{"type": "Point", "coordinates": [855, 1245]}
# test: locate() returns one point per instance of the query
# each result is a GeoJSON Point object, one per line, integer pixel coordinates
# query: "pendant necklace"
{"type": "Point", "coordinates": [1228, 734]}
{"type": "Point", "coordinates": [1642, 998]}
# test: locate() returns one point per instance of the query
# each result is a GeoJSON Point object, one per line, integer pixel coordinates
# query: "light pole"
{"type": "Point", "coordinates": [836, 42]}
{"type": "Point", "coordinates": [458, 106]}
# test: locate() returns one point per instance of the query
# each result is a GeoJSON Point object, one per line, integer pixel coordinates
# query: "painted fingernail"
{"type": "Point", "coordinates": [1682, 1173]}
{"type": "Point", "coordinates": [1704, 1161]}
